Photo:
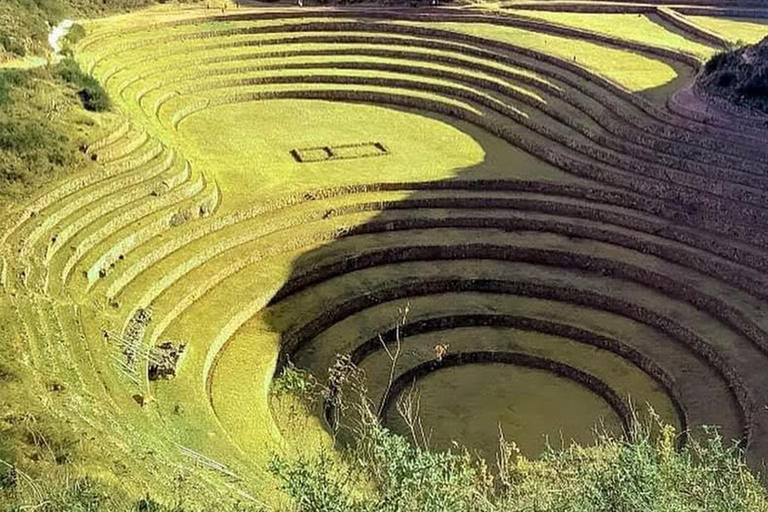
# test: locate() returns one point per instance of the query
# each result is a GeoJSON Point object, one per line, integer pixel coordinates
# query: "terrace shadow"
{"type": "Point", "coordinates": [316, 266]}
{"type": "Point", "coordinates": [311, 269]}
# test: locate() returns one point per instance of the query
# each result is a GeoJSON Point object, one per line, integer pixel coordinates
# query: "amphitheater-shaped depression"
{"type": "Point", "coordinates": [288, 184]}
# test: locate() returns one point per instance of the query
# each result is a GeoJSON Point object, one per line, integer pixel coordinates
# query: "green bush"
{"type": "Point", "coordinates": [11, 45]}
{"type": "Point", "coordinates": [293, 381]}
{"type": "Point", "coordinates": [31, 147]}
{"type": "Point", "coordinates": [8, 80]}
{"type": "Point", "coordinates": [91, 93]}
{"type": "Point", "coordinates": [70, 72]}
{"type": "Point", "coordinates": [756, 87]}
{"type": "Point", "coordinates": [75, 34]}
{"type": "Point", "coordinates": [739, 75]}
{"type": "Point", "coordinates": [716, 62]}
{"type": "Point", "coordinates": [94, 97]}
{"type": "Point", "coordinates": [379, 471]}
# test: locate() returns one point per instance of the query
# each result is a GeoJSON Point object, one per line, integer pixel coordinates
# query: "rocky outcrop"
{"type": "Point", "coordinates": [738, 77]}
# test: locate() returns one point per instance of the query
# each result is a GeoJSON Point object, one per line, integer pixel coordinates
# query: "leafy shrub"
{"type": "Point", "coordinates": [725, 79]}
{"type": "Point", "coordinates": [30, 147]}
{"type": "Point", "coordinates": [11, 45]}
{"type": "Point", "coordinates": [69, 70]}
{"type": "Point", "coordinates": [314, 484]}
{"type": "Point", "coordinates": [757, 86]}
{"type": "Point", "coordinates": [739, 75]}
{"type": "Point", "coordinates": [75, 34]}
{"type": "Point", "coordinates": [8, 80]}
{"type": "Point", "coordinates": [83, 495]}
{"type": "Point", "coordinates": [91, 93]}
{"type": "Point", "coordinates": [294, 381]}
{"type": "Point", "coordinates": [640, 472]}
{"type": "Point", "coordinates": [715, 62]}
{"type": "Point", "coordinates": [94, 97]}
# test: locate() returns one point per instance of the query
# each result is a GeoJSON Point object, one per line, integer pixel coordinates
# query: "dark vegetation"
{"type": "Point", "coordinates": [739, 76]}
{"type": "Point", "coordinates": [43, 123]}
{"type": "Point", "coordinates": [90, 91]}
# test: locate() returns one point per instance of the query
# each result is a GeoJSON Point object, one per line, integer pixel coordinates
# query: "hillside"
{"type": "Point", "coordinates": [25, 24]}
{"type": "Point", "coordinates": [739, 76]}
{"type": "Point", "coordinates": [372, 258]}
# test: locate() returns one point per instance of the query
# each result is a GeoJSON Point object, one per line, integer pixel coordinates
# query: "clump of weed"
{"type": "Point", "coordinates": [10, 79]}
{"type": "Point", "coordinates": [294, 381]}
{"type": "Point", "coordinates": [75, 34]}
{"type": "Point", "coordinates": [12, 45]}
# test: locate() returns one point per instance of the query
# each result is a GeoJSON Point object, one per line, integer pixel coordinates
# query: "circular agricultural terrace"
{"type": "Point", "coordinates": [285, 184]}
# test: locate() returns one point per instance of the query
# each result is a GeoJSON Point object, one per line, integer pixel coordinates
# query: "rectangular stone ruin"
{"type": "Point", "coordinates": [164, 360]}
{"type": "Point", "coordinates": [339, 152]}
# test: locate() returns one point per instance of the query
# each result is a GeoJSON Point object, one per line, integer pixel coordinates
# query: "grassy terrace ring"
{"type": "Point", "coordinates": [282, 184]}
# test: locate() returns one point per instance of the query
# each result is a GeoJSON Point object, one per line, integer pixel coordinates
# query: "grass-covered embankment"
{"type": "Point", "coordinates": [46, 121]}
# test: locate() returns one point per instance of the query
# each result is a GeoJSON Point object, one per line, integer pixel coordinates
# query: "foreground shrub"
{"type": "Point", "coordinates": [642, 472]}
{"type": "Point", "coordinates": [613, 475]}
{"type": "Point", "coordinates": [75, 34]}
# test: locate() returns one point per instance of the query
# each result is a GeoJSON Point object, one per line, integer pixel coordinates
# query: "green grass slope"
{"type": "Point", "coordinates": [25, 24]}
{"type": "Point", "coordinates": [43, 125]}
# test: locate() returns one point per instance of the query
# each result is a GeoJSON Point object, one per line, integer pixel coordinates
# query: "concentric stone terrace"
{"type": "Point", "coordinates": [285, 184]}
